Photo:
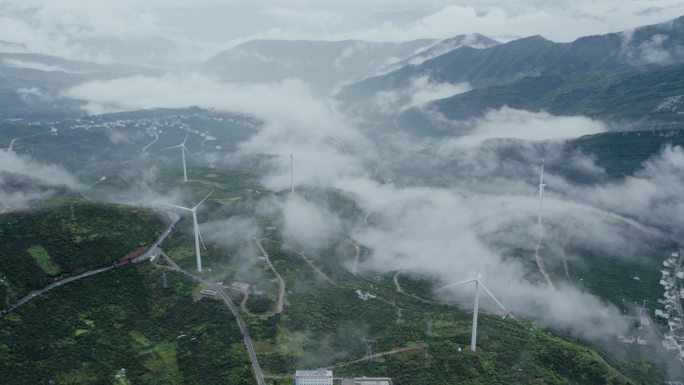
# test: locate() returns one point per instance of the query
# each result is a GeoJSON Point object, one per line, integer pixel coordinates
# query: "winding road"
{"type": "Point", "coordinates": [397, 287]}
{"type": "Point", "coordinates": [11, 146]}
{"type": "Point", "coordinates": [9, 149]}
{"type": "Point", "coordinates": [258, 374]}
{"type": "Point", "coordinates": [152, 132]}
{"type": "Point", "coordinates": [53, 285]}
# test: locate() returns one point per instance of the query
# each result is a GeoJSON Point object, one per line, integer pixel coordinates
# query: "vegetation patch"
{"type": "Point", "coordinates": [43, 260]}
{"type": "Point", "coordinates": [290, 343]}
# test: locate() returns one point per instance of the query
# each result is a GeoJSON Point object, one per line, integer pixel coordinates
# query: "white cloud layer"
{"type": "Point", "coordinates": [43, 179]}
{"type": "Point", "coordinates": [524, 125]}
{"type": "Point", "coordinates": [75, 28]}
{"type": "Point", "coordinates": [420, 91]}
{"type": "Point", "coordinates": [50, 174]}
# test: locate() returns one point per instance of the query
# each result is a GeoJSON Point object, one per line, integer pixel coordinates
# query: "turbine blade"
{"type": "Point", "coordinates": [178, 207]}
{"type": "Point", "coordinates": [202, 201]}
{"type": "Point", "coordinates": [494, 298]}
{"type": "Point", "coordinates": [455, 284]}
{"type": "Point", "coordinates": [168, 148]}
{"type": "Point", "coordinates": [186, 139]}
{"type": "Point", "coordinates": [188, 152]}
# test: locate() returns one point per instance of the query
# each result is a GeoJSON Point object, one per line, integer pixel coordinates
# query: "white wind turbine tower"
{"type": "Point", "coordinates": [292, 172]}
{"type": "Point", "coordinates": [537, 255]}
{"type": "Point", "coordinates": [183, 150]}
{"type": "Point", "coordinates": [198, 236]}
{"type": "Point", "coordinates": [541, 193]}
{"type": "Point", "coordinates": [478, 283]}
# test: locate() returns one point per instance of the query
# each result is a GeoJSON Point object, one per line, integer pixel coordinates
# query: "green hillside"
{"type": "Point", "coordinates": [43, 245]}
{"type": "Point", "coordinates": [87, 331]}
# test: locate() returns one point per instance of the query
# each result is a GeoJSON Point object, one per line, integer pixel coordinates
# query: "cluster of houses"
{"type": "Point", "coordinates": [673, 339]}
{"type": "Point", "coordinates": [631, 340]}
{"type": "Point", "coordinates": [159, 122]}
{"type": "Point", "coordinates": [95, 122]}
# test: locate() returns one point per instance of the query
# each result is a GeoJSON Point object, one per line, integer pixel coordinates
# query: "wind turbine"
{"type": "Point", "coordinates": [198, 236]}
{"type": "Point", "coordinates": [541, 193]}
{"type": "Point", "coordinates": [292, 172]}
{"type": "Point", "coordinates": [478, 283]}
{"type": "Point", "coordinates": [183, 150]}
{"type": "Point", "coordinates": [537, 250]}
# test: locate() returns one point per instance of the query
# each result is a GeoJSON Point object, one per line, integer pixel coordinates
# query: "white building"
{"type": "Point", "coordinates": [660, 313]}
{"type": "Point", "coordinates": [314, 377]}
{"type": "Point", "coordinates": [670, 344]}
{"type": "Point", "coordinates": [626, 340]}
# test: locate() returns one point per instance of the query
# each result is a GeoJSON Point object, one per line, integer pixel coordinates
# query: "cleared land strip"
{"type": "Point", "coordinates": [381, 354]}
{"type": "Point", "coordinates": [305, 258]}
{"type": "Point", "coordinates": [281, 281]}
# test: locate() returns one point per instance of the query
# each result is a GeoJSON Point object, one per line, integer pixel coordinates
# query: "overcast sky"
{"type": "Point", "coordinates": [76, 28]}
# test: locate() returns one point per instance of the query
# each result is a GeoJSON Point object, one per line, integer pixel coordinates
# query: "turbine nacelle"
{"type": "Point", "coordinates": [196, 230]}
{"type": "Point", "coordinates": [478, 283]}
{"type": "Point", "coordinates": [183, 151]}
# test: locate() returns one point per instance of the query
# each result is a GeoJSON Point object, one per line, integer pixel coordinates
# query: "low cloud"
{"type": "Point", "coordinates": [15, 63]}
{"type": "Point", "coordinates": [308, 225]}
{"type": "Point", "coordinates": [449, 236]}
{"type": "Point", "coordinates": [24, 180]}
{"type": "Point", "coordinates": [420, 91]}
{"type": "Point", "coordinates": [509, 123]}
{"type": "Point", "coordinates": [25, 165]}
{"type": "Point", "coordinates": [651, 196]}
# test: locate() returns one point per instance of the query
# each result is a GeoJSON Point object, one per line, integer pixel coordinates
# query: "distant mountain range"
{"type": "Point", "coordinates": [326, 64]}
{"type": "Point", "coordinates": [474, 40]}
{"type": "Point", "coordinates": [633, 75]}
